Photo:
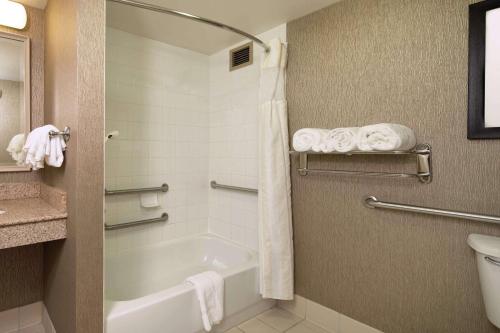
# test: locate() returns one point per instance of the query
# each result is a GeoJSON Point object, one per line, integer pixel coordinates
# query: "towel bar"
{"type": "Point", "coordinates": [66, 134]}
{"type": "Point", "coordinates": [373, 202]}
{"type": "Point", "coordinates": [162, 188]}
{"type": "Point", "coordinates": [214, 185]}
{"type": "Point", "coordinates": [162, 218]}
{"type": "Point", "coordinates": [423, 153]}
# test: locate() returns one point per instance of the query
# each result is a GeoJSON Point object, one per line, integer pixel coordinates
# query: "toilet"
{"type": "Point", "coordinates": [488, 263]}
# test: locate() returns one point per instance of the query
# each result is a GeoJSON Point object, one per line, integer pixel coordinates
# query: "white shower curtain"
{"type": "Point", "coordinates": [275, 211]}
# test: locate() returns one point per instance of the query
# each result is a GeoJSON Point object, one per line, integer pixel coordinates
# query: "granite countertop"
{"type": "Point", "coordinates": [30, 210]}
{"type": "Point", "coordinates": [33, 213]}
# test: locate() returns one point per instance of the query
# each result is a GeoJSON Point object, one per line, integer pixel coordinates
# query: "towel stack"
{"type": "Point", "coordinates": [378, 137]}
{"type": "Point", "coordinates": [38, 149]}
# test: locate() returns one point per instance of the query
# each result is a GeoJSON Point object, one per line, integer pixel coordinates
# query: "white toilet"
{"type": "Point", "coordinates": [488, 263]}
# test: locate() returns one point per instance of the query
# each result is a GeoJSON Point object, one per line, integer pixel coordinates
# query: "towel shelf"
{"type": "Point", "coordinates": [373, 202]}
{"type": "Point", "coordinates": [423, 153]}
{"type": "Point", "coordinates": [162, 218]}
{"type": "Point", "coordinates": [162, 188]}
{"type": "Point", "coordinates": [214, 185]}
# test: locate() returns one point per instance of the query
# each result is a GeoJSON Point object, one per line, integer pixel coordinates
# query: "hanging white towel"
{"type": "Point", "coordinates": [209, 288]}
{"type": "Point", "coordinates": [274, 200]}
{"type": "Point", "coordinates": [306, 139]}
{"type": "Point", "coordinates": [40, 148]}
{"type": "Point", "coordinates": [386, 137]}
{"type": "Point", "coordinates": [341, 140]}
{"type": "Point", "coordinates": [15, 148]}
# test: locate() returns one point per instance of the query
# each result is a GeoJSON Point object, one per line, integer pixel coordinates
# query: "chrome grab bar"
{"type": "Point", "coordinates": [162, 218]}
{"type": "Point", "coordinates": [373, 202]}
{"type": "Point", "coordinates": [162, 188]}
{"type": "Point", "coordinates": [492, 261]}
{"type": "Point", "coordinates": [214, 185]}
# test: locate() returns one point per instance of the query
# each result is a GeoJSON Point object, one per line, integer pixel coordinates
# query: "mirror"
{"type": "Point", "coordinates": [15, 99]}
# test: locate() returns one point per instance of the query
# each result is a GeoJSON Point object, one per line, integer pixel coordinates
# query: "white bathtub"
{"type": "Point", "coordinates": [146, 292]}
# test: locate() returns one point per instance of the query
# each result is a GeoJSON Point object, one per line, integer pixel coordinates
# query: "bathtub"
{"type": "Point", "coordinates": [146, 292]}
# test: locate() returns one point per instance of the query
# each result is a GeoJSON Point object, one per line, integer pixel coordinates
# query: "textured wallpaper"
{"type": "Point", "coordinates": [367, 61]}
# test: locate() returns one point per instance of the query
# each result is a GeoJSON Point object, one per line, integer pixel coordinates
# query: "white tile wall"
{"type": "Point", "coordinates": [234, 102]}
{"type": "Point", "coordinates": [157, 97]}
{"type": "Point", "coordinates": [184, 119]}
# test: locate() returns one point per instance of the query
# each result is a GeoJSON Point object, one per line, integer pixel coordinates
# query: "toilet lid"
{"type": "Point", "coordinates": [485, 244]}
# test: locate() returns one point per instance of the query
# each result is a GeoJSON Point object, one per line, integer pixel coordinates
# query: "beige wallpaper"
{"type": "Point", "coordinates": [74, 80]}
{"type": "Point", "coordinates": [367, 61]}
{"type": "Point", "coordinates": [21, 268]}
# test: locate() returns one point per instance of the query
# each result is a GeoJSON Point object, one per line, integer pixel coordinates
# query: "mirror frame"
{"type": "Point", "coordinates": [27, 92]}
{"type": "Point", "coordinates": [476, 128]}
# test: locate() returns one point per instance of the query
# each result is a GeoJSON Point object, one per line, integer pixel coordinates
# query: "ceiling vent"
{"type": "Point", "coordinates": [241, 56]}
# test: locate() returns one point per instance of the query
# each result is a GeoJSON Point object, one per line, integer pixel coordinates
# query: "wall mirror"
{"type": "Point", "coordinates": [484, 70]}
{"type": "Point", "coordinates": [15, 100]}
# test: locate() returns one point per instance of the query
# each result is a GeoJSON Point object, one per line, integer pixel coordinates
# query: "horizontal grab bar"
{"type": "Point", "coordinates": [214, 185]}
{"type": "Point", "coordinates": [162, 218]}
{"type": "Point", "coordinates": [162, 188]}
{"type": "Point", "coordinates": [373, 202]}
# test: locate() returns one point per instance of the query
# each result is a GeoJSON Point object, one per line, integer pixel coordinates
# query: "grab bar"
{"type": "Point", "coordinates": [214, 185]}
{"type": "Point", "coordinates": [162, 218]}
{"type": "Point", "coordinates": [162, 188]}
{"type": "Point", "coordinates": [373, 202]}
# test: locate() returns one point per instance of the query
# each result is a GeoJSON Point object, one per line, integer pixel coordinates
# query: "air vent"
{"type": "Point", "coordinates": [241, 56]}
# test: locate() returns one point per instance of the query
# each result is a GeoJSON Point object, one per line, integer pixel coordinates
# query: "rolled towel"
{"type": "Point", "coordinates": [15, 148]}
{"type": "Point", "coordinates": [40, 148]}
{"type": "Point", "coordinates": [307, 139]}
{"type": "Point", "coordinates": [385, 137]}
{"type": "Point", "coordinates": [341, 140]}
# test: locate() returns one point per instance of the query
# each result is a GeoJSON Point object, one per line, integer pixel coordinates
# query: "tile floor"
{"type": "Point", "coordinates": [277, 320]}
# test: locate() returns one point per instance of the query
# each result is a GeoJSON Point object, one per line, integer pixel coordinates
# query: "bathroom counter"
{"type": "Point", "coordinates": [31, 213]}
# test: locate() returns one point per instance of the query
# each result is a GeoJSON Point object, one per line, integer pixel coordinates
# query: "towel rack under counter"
{"type": "Point", "coordinates": [215, 185]}
{"type": "Point", "coordinates": [373, 202]}
{"type": "Point", "coordinates": [162, 188]}
{"type": "Point", "coordinates": [422, 153]}
{"type": "Point", "coordinates": [162, 218]}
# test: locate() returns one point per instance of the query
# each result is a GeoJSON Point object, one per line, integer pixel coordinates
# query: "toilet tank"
{"type": "Point", "coordinates": [488, 263]}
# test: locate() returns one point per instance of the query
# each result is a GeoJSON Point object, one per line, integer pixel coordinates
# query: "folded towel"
{"type": "Point", "coordinates": [40, 148]}
{"type": "Point", "coordinates": [307, 139]}
{"type": "Point", "coordinates": [341, 140]}
{"type": "Point", "coordinates": [15, 148]}
{"type": "Point", "coordinates": [386, 137]}
{"type": "Point", "coordinates": [209, 288]}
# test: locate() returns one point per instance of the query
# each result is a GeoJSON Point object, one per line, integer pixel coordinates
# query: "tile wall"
{"type": "Point", "coordinates": [234, 102]}
{"type": "Point", "coordinates": [157, 98]}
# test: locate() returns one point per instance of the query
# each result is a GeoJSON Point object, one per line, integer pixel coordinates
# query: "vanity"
{"type": "Point", "coordinates": [30, 212]}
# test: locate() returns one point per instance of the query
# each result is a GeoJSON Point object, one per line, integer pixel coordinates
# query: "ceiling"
{"type": "Point", "coordinates": [252, 16]}
{"type": "Point", "coordinates": [34, 3]}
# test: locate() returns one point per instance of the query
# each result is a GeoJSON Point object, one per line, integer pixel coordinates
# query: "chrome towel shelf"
{"type": "Point", "coordinates": [422, 152]}
{"type": "Point", "coordinates": [162, 188]}
{"type": "Point", "coordinates": [162, 218]}
{"type": "Point", "coordinates": [66, 134]}
{"type": "Point", "coordinates": [214, 185]}
{"type": "Point", "coordinates": [373, 202]}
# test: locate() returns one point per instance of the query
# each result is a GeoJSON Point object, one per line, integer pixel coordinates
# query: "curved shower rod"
{"type": "Point", "coordinates": [192, 17]}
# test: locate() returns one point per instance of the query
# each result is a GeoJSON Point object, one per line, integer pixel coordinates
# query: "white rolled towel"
{"type": "Point", "coordinates": [15, 148]}
{"type": "Point", "coordinates": [307, 139]}
{"type": "Point", "coordinates": [341, 140]}
{"type": "Point", "coordinates": [386, 137]}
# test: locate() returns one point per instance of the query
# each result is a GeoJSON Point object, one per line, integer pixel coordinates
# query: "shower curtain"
{"type": "Point", "coordinates": [275, 211]}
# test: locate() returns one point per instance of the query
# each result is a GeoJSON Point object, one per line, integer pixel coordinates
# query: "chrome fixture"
{"type": "Point", "coordinates": [423, 153]}
{"type": "Point", "coordinates": [373, 202]}
{"type": "Point", "coordinates": [66, 134]}
{"type": "Point", "coordinates": [162, 218]}
{"type": "Point", "coordinates": [214, 185]}
{"type": "Point", "coordinates": [111, 135]}
{"type": "Point", "coordinates": [162, 188]}
{"type": "Point", "coordinates": [196, 18]}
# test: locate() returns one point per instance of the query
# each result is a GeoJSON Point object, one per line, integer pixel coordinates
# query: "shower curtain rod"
{"type": "Point", "coordinates": [192, 17]}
